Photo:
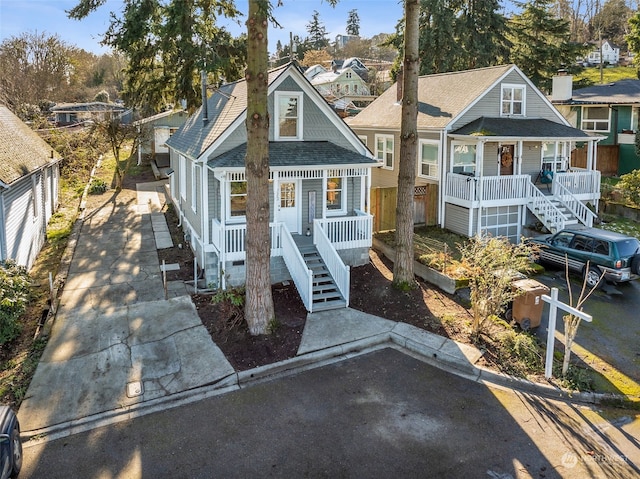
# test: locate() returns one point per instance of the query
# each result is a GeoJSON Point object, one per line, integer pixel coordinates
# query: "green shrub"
{"type": "Point", "coordinates": [520, 353]}
{"type": "Point", "coordinates": [97, 186]}
{"type": "Point", "coordinates": [14, 295]}
{"type": "Point", "coordinates": [630, 186]}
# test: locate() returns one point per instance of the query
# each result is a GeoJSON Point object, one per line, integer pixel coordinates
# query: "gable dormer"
{"type": "Point", "coordinates": [512, 99]}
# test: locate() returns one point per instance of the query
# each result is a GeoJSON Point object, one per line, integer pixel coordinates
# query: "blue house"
{"type": "Point", "coordinates": [319, 181]}
{"type": "Point", "coordinates": [29, 178]}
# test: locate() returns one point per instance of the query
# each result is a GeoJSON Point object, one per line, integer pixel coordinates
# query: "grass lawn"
{"type": "Point", "coordinates": [592, 74]}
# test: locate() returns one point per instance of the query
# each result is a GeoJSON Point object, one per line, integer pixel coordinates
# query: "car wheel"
{"type": "Point", "coordinates": [16, 451]}
{"type": "Point", "coordinates": [593, 277]}
{"type": "Point", "coordinates": [525, 324]}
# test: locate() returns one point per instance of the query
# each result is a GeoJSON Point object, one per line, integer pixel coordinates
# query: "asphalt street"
{"type": "Point", "coordinates": [377, 415]}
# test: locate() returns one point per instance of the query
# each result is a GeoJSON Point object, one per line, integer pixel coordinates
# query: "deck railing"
{"type": "Point", "coordinates": [348, 232]}
{"type": "Point", "coordinates": [338, 270]}
{"type": "Point", "coordinates": [580, 182]}
{"type": "Point", "coordinates": [231, 240]}
{"type": "Point", "coordinates": [554, 218]}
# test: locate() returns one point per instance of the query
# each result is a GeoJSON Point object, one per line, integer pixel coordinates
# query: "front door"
{"type": "Point", "coordinates": [507, 154]}
{"type": "Point", "coordinates": [289, 205]}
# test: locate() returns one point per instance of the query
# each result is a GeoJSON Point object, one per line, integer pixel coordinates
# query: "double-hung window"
{"type": "Point", "coordinates": [428, 159]}
{"type": "Point", "coordinates": [464, 158]}
{"type": "Point", "coordinates": [384, 150]}
{"type": "Point", "coordinates": [183, 177]}
{"type": "Point", "coordinates": [512, 101]}
{"type": "Point", "coordinates": [289, 115]}
{"type": "Point", "coordinates": [194, 187]}
{"type": "Point", "coordinates": [237, 207]}
{"type": "Point", "coordinates": [595, 118]}
{"type": "Point", "coordinates": [336, 194]}
{"type": "Point", "coordinates": [552, 158]}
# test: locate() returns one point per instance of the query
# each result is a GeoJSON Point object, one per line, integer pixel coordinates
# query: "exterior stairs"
{"type": "Point", "coordinates": [325, 291]}
{"type": "Point", "coordinates": [551, 211]}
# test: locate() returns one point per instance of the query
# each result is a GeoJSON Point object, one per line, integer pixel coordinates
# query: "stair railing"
{"type": "Point", "coordinates": [573, 204]}
{"type": "Point", "coordinates": [338, 270]}
{"type": "Point", "coordinates": [545, 210]}
{"type": "Point", "coordinates": [301, 275]}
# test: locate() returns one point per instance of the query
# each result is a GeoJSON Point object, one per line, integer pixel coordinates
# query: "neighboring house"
{"type": "Point", "coordinates": [156, 130]}
{"type": "Point", "coordinates": [609, 52]}
{"type": "Point", "coordinates": [29, 178]}
{"type": "Point", "coordinates": [67, 114]}
{"type": "Point", "coordinates": [319, 181]}
{"type": "Point", "coordinates": [354, 63]}
{"type": "Point", "coordinates": [342, 88]}
{"type": "Point", "coordinates": [484, 137]}
{"type": "Point", "coordinates": [611, 110]}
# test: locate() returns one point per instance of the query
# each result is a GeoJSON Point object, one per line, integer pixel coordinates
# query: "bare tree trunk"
{"type": "Point", "coordinates": [403, 276]}
{"type": "Point", "coordinates": [259, 310]}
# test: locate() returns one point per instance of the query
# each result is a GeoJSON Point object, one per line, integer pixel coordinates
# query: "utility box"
{"type": "Point", "coordinates": [526, 308]}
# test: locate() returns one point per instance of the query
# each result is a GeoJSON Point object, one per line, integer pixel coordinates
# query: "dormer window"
{"type": "Point", "coordinates": [512, 100]}
{"type": "Point", "coordinates": [289, 116]}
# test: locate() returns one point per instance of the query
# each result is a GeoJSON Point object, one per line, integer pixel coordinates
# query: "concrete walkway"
{"type": "Point", "coordinates": [116, 342]}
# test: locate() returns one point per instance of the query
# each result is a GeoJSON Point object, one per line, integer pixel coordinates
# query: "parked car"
{"type": "Point", "coordinates": [592, 252]}
{"type": "Point", "coordinates": [10, 444]}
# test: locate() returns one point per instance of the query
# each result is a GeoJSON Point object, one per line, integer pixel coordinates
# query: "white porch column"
{"type": "Point", "coordinates": [479, 175]}
{"type": "Point", "coordinates": [324, 193]}
{"type": "Point", "coordinates": [276, 196]}
{"type": "Point", "coordinates": [518, 157]}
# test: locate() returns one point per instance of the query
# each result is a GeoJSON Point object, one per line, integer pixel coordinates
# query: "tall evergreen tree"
{"type": "Point", "coordinates": [317, 32]}
{"type": "Point", "coordinates": [403, 276]}
{"type": "Point", "coordinates": [259, 309]}
{"type": "Point", "coordinates": [353, 23]}
{"type": "Point", "coordinates": [481, 34]}
{"type": "Point", "coordinates": [540, 43]}
{"type": "Point", "coordinates": [167, 43]}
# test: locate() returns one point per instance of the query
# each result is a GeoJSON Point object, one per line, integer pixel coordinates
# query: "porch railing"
{"type": "Point", "coordinates": [461, 187]}
{"type": "Point", "coordinates": [499, 188]}
{"type": "Point", "coordinates": [573, 204]}
{"type": "Point", "coordinates": [348, 232]}
{"type": "Point", "coordinates": [580, 182]}
{"type": "Point", "coordinates": [231, 240]}
{"type": "Point", "coordinates": [339, 271]}
{"type": "Point", "coordinates": [301, 275]}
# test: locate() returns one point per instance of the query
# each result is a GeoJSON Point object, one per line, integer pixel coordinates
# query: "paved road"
{"type": "Point", "coordinates": [614, 334]}
{"type": "Point", "coordinates": [379, 415]}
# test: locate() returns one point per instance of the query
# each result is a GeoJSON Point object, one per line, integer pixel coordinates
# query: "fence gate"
{"type": "Point", "coordinates": [383, 206]}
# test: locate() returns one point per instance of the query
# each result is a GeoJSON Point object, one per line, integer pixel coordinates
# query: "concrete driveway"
{"type": "Point", "coordinates": [116, 342]}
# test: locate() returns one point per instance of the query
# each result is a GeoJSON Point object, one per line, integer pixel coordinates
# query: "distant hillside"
{"type": "Point", "coordinates": [592, 75]}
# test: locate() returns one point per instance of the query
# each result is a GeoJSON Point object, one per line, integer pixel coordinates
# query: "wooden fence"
{"type": "Point", "coordinates": [607, 161]}
{"type": "Point", "coordinates": [383, 206]}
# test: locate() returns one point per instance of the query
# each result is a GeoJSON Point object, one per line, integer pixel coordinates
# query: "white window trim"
{"type": "Point", "coordinates": [455, 144]}
{"type": "Point", "coordinates": [343, 196]}
{"type": "Point", "coordinates": [436, 143]}
{"type": "Point", "coordinates": [194, 187]}
{"type": "Point", "coordinates": [276, 128]}
{"type": "Point", "coordinates": [183, 178]}
{"type": "Point", "coordinates": [557, 160]}
{"type": "Point", "coordinates": [582, 119]}
{"type": "Point", "coordinates": [514, 86]}
{"type": "Point", "coordinates": [634, 119]}
{"type": "Point", "coordinates": [384, 159]}
{"type": "Point", "coordinates": [364, 139]}
{"type": "Point", "coordinates": [229, 218]}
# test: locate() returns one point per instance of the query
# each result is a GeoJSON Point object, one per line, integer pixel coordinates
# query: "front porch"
{"type": "Point", "coordinates": [556, 205]}
{"type": "Point", "coordinates": [337, 242]}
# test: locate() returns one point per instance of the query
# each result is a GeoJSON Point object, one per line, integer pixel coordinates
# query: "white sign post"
{"type": "Point", "coordinates": [554, 305]}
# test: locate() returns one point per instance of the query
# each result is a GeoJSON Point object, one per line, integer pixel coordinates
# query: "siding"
{"type": "Point", "coordinates": [457, 219]}
{"type": "Point", "coordinates": [25, 234]}
{"type": "Point", "coordinates": [531, 158]}
{"type": "Point", "coordinates": [489, 104]}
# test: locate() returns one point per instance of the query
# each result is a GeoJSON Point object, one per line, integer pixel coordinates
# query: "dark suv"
{"type": "Point", "coordinates": [614, 254]}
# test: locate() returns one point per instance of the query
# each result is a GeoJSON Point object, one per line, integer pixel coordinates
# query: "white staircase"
{"type": "Point", "coordinates": [325, 292]}
{"type": "Point", "coordinates": [560, 209]}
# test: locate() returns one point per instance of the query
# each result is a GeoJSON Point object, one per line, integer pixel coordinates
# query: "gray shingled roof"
{"type": "Point", "coordinates": [224, 107]}
{"type": "Point", "coordinates": [442, 97]}
{"type": "Point", "coordinates": [622, 91]}
{"type": "Point", "coordinates": [295, 154]}
{"type": "Point", "coordinates": [519, 127]}
{"type": "Point", "coordinates": [22, 151]}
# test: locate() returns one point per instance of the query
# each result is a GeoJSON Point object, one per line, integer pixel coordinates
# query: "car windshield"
{"type": "Point", "coordinates": [628, 247]}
